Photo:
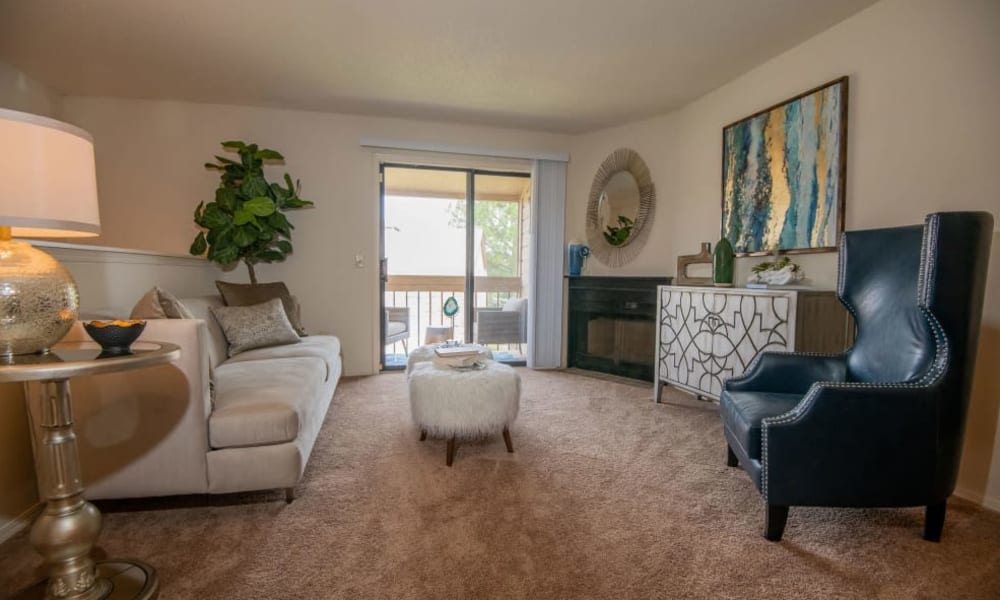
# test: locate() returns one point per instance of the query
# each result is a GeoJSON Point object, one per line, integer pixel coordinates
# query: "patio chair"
{"type": "Point", "coordinates": [397, 326]}
{"type": "Point", "coordinates": [507, 325]}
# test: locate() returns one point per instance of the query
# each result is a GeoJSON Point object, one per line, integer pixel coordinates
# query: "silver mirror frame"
{"type": "Point", "coordinates": [622, 159]}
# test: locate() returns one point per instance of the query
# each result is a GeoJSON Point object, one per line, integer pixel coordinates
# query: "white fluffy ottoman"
{"type": "Point", "coordinates": [452, 403]}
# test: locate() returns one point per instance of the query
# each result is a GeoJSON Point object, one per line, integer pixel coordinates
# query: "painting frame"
{"type": "Point", "coordinates": [752, 200]}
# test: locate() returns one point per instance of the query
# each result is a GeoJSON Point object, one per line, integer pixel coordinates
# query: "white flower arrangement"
{"type": "Point", "coordinates": [780, 271]}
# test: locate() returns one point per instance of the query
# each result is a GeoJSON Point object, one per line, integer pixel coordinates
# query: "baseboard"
{"type": "Point", "coordinates": [979, 498]}
{"type": "Point", "coordinates": [11, 528]}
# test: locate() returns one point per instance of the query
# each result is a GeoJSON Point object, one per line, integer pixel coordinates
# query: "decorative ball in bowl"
{"type": "Point", "coordinates": [115, 337]}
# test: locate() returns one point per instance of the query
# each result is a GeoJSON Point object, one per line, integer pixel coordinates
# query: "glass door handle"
{"type": "Point", "coordinates": [383, 269]}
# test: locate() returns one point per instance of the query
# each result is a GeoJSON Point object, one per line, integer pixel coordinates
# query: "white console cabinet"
{"type": "Point", "coordinates": [706, 335]}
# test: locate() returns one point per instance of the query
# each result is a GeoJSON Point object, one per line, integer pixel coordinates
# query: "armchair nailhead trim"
{"type": "Point", "coordinates": [928, 253]}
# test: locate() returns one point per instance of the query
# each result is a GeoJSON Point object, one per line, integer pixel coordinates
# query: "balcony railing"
{"type": "Point", "coordinates": [425, 296]}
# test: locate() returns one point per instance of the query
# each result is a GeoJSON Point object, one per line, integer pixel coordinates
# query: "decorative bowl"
{"type": "Point", "coordinates": [115, 337]}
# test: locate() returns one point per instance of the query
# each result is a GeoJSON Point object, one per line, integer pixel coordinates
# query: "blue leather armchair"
{"type": "Point", "coordinates": [882, 424]}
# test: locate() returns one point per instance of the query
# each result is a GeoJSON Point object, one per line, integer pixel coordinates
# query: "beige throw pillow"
{"type": "Point", "coordinates": [247, 294]}
{"type": "Point", "coordinates": [158, 303]}
{"type": "Point", "coordinates": [257, 326]}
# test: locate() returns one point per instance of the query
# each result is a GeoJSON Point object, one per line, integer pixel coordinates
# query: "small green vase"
{"type": "Point", "coordinates": [722, 263]}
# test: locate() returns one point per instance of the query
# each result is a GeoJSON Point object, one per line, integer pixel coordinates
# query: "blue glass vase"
{"type": "Point", "coordinates": [577, 253]}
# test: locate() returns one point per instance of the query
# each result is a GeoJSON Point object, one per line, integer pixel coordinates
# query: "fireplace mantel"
{"type": "Point", "coordinates": [612, 325]}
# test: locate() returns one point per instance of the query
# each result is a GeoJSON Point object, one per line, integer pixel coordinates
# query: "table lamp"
{"type": "Point", "coordinates": [48, 188]}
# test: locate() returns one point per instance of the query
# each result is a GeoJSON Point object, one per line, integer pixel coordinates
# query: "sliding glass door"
{"type": "Point", "coordinates": [453, 259]}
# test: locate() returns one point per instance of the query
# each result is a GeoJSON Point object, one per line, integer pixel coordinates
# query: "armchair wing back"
{"type": "Point", "coordinates": [882, 424]}
{"type": "Point", "coordinates": [879, 271]}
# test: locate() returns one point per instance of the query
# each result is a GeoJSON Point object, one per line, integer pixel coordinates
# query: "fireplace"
{"type": "Point", "coordinates": [612, 325]}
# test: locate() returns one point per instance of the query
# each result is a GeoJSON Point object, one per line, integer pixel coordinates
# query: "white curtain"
{"type": "Point", "coordinates": [548, 215]}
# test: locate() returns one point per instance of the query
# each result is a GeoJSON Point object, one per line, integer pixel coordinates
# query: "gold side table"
{"type": "Point", "coordinates": [65, 532]}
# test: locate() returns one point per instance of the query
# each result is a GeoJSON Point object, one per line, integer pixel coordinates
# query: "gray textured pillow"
{"type": "Point", "coordinates": [158, 303]}
{"type": "Point", "coordinates": [246, 294]}
{"type": "Point", "coordinates": [256, 326]}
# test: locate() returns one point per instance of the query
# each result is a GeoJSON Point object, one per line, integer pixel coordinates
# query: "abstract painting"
{"type": "Point", "coordinates": [783, 174]}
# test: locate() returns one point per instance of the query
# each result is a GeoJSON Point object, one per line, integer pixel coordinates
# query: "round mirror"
{"type": "Point", "coordinates": [620, 208]}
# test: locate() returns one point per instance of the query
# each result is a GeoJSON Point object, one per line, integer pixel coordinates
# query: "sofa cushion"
{"type": "Point", "coordinates": [258, 404]}
{"type": "Point", "coordinates": [256, 326]}
{"type": "Point", "coordinates": [325, 347]}
{"type": "Point", "coordinates": [742, 413]}
{"type": "Point", "coordinates": [247, 294]}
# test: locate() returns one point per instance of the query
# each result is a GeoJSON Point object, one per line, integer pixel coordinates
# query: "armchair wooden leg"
{"type": "Point", "coordinates": [731, 460]}
{"type": "Point", "coordinates": [289, 495]}
{"type": "Point", "coordinates": [934, 521]}
{"type": "Point", "coordinates": [423, 434]}
{"type": "Point", "coordinates": [774, 522]}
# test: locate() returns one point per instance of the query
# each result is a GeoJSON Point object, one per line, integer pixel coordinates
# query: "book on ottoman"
{"type": "Point", "coordinates": [457, 351]}
{"type": "Point", "coordinates": [461, 356]}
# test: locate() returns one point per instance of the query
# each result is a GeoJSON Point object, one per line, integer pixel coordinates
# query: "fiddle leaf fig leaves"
{"type": "Point", "coordinates": [246, 221]}
{"type": "Point", "coordinates": [199, 245]}
{"type": "Point", "coordinates": [260, 206]}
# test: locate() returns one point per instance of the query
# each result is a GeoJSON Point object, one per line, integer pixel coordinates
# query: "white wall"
{"type": "Point", "coordinates": [150, 175]}
{"type": "Point", "coordinates": [923, 128]}
{"type": "Point", "coordinates": [20, 92]}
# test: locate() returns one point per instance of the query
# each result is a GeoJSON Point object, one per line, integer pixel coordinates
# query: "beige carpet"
{"type": "Point", "coordinates": [606, 496]}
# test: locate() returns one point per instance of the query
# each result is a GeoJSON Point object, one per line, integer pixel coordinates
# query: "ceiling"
{"type": "Point", "coordinates": [567, 66]}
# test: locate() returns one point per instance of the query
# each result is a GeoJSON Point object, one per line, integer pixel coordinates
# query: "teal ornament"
{"type": "Point", "coordinates": [450, 307]}
{"type": "Point", "coordinates": [722, 263]}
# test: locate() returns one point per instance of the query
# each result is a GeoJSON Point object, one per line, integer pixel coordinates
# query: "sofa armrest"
{"type": "Point", "coordinates": [145, 432]}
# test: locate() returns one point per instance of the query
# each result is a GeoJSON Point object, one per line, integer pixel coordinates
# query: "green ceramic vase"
{"type": "Point", "coordinates": [722, 263]}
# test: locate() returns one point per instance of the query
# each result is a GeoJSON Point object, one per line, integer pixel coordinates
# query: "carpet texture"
{"type": "Point", "coordinates": [606, 496]}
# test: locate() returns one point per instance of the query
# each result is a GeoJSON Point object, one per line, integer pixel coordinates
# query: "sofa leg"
{"type": "Point", "coordinates": [289, 494]}
{"type": "Point", "coordinates": [774, 522]}
{"type": "Point", "coordinates": [731, 460]}
{"type": "Point", "coordinates": [423, 434]}
{"type": "Point", "coordinates": [934, 521]}
{"type": "Point", "coordinates": [450, 456]}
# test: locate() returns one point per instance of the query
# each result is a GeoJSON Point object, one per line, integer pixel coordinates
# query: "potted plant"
{"type": "Point", "coordinates": [246, 221]}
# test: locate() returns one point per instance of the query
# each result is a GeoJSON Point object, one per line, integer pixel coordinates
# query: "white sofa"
{"type": "Point", "coordinates": [204, 424]}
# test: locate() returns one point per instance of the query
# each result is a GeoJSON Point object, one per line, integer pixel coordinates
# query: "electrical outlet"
{"type": "Point", "coordinates": [359, 261]}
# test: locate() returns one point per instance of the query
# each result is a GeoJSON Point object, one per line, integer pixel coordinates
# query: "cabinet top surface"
{"type": "Point", "coordinates": [741, 291]}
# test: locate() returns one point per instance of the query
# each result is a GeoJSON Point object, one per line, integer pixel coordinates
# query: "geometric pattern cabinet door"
{"type": "Point", "coordinates": [706, 335]}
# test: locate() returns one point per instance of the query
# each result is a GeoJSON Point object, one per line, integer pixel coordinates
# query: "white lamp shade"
{"type": "Point", "coordinates": [48, 182]}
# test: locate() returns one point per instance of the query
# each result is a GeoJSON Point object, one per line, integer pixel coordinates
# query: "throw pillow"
{"type": "Point", "coordinates": [158, 303]}
{"type": "Point", "coordinates": [257, 326]}
{"type": "Point", "coordinates": [247, 294]}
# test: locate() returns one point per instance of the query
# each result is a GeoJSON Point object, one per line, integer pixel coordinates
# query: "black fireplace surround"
{"type": "Point", "coordinates": [612, 325]}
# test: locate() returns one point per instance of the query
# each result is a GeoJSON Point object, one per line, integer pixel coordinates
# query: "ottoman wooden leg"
{"type": "Point", "coordinates": [450, 456]}
{"type": "Point", "coordinates": [423, 434]}
{"type": "Point", "coordinates": [506, 439]}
